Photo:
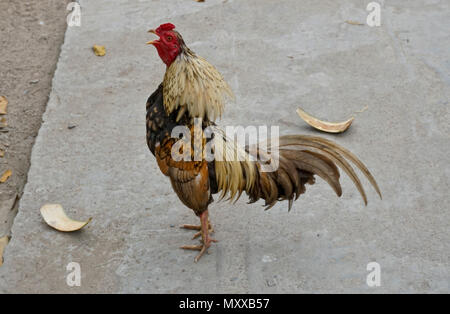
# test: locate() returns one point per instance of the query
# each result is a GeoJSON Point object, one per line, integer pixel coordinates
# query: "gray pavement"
{"type": "Point", "coordinates": [277, 56]}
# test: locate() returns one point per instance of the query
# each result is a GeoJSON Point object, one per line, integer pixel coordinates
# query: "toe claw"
{"type": "Point", "coordinates": [191, 227]}
{"type": "Point", "coordinates": [203, 250]}
{"type": "Point", "coordinates": [196, 235]}
{"type": "Point", "coordinates": [192, 247]}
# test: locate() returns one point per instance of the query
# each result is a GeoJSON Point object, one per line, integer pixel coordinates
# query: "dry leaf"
{"type": "Point", "coordinates": [2, 153]}
{"type": "Point", "coordinates": [353, 22]}
{"type": "Point", "coordinates": [329, 127]}
{"type": "Point", "coordinates": [55, 217]}
{"type": "Point", "coordinates": [3, 242]}
{"type": "Point", "coordinates": [99, 50]}
{"type": "Point", "coordinates": [200, 0]}
{"type": "Point", "coordinates": [3, 104]}
{"type": "Point", "coordinates": [5, 176]}
{"type": "Point", "coordinates": [3, 123]}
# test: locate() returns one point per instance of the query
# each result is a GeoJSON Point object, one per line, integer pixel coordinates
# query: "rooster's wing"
{"type": "Point", "coordinates": [190, 179]}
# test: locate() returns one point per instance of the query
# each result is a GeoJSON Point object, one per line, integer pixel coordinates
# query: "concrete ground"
{"type": "Point", "coordinates": [277, 56]}
{"type": "Point", "coordinates": [31, 34]}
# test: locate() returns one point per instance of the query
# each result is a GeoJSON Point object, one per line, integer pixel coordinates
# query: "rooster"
{"type": "Point", "coordinates": [192, 88]}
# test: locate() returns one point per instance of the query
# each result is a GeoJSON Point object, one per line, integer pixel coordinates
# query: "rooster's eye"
{"type": "Point", "coordinates": [169, 38]}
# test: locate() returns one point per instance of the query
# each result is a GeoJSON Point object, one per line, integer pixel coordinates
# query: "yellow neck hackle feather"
{"type": "Point", "coordinates": [194, 85]}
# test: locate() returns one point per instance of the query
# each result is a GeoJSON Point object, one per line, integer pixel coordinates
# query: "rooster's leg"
{"type": "Point", "coordinates": [195, 227]}
{"type": "Point", "coordinates": [205, 229]}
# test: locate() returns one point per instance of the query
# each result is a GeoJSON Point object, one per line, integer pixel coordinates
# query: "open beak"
{"type": "Point", "coordinates": [152, 42]}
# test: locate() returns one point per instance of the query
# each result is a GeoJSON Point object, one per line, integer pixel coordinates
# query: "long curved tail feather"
{"type": "Point", "coordinates": [301, 157]}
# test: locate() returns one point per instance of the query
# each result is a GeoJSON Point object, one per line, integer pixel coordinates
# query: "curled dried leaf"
{"type": "Point", "coordinates": [99, 50]}
{"type": "Point", "coordinates": [3, 104]}
{"type": "Point", "coordinates": [5, 176]}
{"type": "Point", "coordinates": [56, 218]}
{"type": "Point", "coordinates": [329, 127]}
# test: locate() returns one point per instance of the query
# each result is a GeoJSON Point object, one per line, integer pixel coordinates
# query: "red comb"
{"type": "Point", "coordinates": [165, 27]}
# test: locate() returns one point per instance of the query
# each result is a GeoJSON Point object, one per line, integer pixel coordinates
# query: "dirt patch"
{"type": "Point", "coordinates": [31, 34]}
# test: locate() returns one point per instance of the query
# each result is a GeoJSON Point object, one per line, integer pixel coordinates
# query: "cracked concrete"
{"type": "Point", "coordinates": [277, 55]}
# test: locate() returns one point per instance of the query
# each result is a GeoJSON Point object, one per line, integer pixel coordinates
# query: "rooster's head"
{"type": "Point", "coordinates": [190, 83]}
{"type": "Point", "coordinates": [169, 44]}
